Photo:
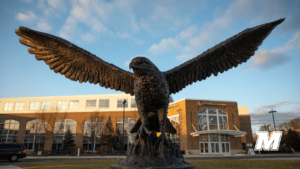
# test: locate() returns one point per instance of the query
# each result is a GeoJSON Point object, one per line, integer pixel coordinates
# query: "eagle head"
{"type": "Point", "coordinates": [142, 66]}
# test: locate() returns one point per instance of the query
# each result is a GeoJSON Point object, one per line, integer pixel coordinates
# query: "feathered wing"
{"type": "Point", "coordinates": [74, 62]}
{"type": "Point", "coordinates": [220, 58]}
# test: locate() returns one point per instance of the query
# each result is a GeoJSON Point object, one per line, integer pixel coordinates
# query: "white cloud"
{"type": "Point", "coordinates": [27, 16]}
{"type": "Point", "coordinates": [42, 25]}
{"type": "Point", "coordinates": [266, 59]}
{"type": "Point", "coordinates": [169, 44]}
{"type": "Point", "coordinates": [165, 45]}
{"type": "Point", "coordinates": [56, 4]}
{"type": "Point", "coordinates": [264, 109]}
{"type": "Point", "coordinates": [187, 33]}
{"type": "Point", "coordinates": [211, 33]}
{"type": "Point", "coordinates": [127, 62]}
{"type": "Point", "coordinates": [280, 117]}
{"type": "Point", "coordinates": [69, 28]}
{"type": "Point", "coordinates": [88, 37]}
{"type": "Point", "coordinates": [83, 13]}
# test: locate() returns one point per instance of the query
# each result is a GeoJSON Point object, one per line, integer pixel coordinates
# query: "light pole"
{"type": "Point", "coordinates": [273, 111]}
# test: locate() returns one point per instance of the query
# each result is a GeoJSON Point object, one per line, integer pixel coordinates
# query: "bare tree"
{"type": "Point", "coordinates": [93, 129]}
{"type": "Point", "coordinates": [55, 120]}
{"type": "Point", "coordinates": [46, 120]}
{"type": "Point", "coordinates": [284, 125]}
{"type": "Point", "coordinates": [264, 127]}
{"type": "Point", "coordinates": [58, 126]}
{"type": "Point", "coordinates": [294, 123]}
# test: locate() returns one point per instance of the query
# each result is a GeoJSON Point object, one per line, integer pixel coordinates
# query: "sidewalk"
{"type": "Point", "coordinates": [185, 156]}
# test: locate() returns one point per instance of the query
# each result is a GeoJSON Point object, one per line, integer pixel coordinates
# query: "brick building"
{"type": "Point", "coordinates": [204, 126]}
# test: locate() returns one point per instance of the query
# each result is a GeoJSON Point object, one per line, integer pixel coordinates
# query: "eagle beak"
{"type": "Point", "coordinates": [130, 65]}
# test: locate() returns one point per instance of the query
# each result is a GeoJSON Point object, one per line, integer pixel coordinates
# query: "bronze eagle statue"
{"type": "Point", "coordinates": [147, 83]}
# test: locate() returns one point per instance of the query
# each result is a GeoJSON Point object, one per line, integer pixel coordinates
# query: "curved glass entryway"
{"type": "Point", "coordinates": [213, 119]}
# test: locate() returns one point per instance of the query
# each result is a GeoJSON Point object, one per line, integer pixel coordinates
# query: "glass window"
{"type": "Point", "coordinates": [217, 143]}
{"type": "Point", "coordinates": [128, 137]}
{"type": "Point", "coordinates": [34, 106]}
{"type": "Point", "coordinates": [92, 133]}
{"type": "Point", "coordinates": [175, 121]}
{"type": "Point", "coordinates": [133, 103]}
{"type": "Point", "coordinates": [61, 105]}
{"type": "Point", "coordinates": [8, 106]}
{"type": "Point", "coordinates": [202, 121]}
{"type": "Point", "coordinates": [45, 106]}
{"type": "Point", "coordinates": [19, 105]}
{"type": "Point", "coordinates": [213, 122]}
{"type": "Point", "coordinates": [35, 134]}
{"type": "Point", "coordinates": [203, 137]}
{"type": "Point", "coordinates": [73, 105]}
{"type": "Point", "coordinates": [120, 103]}
{"type": "Point", "coordinates": [90, 104]}
{"type": "Point", "coordinates": [104, 103]}
{"type": "Point", "coordinates": [212, 111]}
{"type": "Point", "coordinates": [9, 131]}
{"type": "Point", "coordinates": [223, 122]}
{"type": "Point", "coordinates": [60, 128]}
{"type": "Point", "coordinates": [214, 137]}
{"type": "Point", "coordinates": [212, 119]}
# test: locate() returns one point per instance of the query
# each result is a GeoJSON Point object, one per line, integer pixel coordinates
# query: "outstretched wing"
{"type": "Point", "coordinates": [220, 58]}
{"type": "Point", "coordinates": [74, 62]}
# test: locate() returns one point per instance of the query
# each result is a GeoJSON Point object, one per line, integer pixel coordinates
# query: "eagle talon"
{"type": "Point", "coordinates": [143, 129]}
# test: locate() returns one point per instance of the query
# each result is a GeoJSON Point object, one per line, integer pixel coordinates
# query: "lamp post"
{"type": "Point", "coordinates": [273, 111]}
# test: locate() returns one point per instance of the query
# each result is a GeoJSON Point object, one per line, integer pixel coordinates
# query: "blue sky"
{"type": "Point", "coordinates": [168, 33]}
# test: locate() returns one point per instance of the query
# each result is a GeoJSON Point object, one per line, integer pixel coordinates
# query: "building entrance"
{"type": "Point", "coordinates": [214, 144]}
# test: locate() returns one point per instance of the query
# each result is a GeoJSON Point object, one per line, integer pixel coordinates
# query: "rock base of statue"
{"type": "Point", "coordinates": [149, 152]}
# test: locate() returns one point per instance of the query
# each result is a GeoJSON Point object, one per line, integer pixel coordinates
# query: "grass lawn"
{"type": "Point", "coordinates": [200, 164]}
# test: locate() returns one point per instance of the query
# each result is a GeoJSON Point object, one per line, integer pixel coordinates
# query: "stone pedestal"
{"type": "Point", "coordinates": [148, 152]}
{"type": "Point", "coordinates": [117, 166]}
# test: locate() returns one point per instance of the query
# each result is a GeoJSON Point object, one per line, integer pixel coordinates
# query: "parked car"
{"type": "Point", "coordinates": [12, 151]}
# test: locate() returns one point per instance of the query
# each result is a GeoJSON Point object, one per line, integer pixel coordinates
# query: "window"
{"type": "Point", "coordinates": [73, 104]}
{"type": "Point", "coordinates": [90, 104]}
{"type": "Point", "coordinates": [8, 106]}
{"type": "Point", "coordinates": [128, 137]}
{"type": "Point", "coordinates": [35, 134]}
{"type": "Point", "coordinates": [45, 106]}
{"type": "Point", "coordinates": [133, 103]}
{"type": "Point", "coordinates": [9, 131]}
{"type": "Point", "coordinates": [175, 138]}
{"type": "Point", "coordinates": [120, 103]}
{"type": "Point", "coordinates": [19, 105]}
{"type": "Point", "coordinates": [61, 105]}
{"type": "Point", "coordinates": [60, 128]}
{"type": "Point", "coordinates": [34, 106]}
{"type": "Point", "coordinates": [104, 103]}
{"type": "Point", "coordinates": [92, 133]}
{"type": "Point", "coordinates": [212, 119]}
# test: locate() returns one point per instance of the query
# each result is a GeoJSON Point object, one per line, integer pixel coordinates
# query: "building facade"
{"type": "Point", "coordinates": [203, 126]}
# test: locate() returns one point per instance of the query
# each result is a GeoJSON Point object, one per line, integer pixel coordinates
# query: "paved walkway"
{"type": "Point", "coordinates": [185, 156]}
{"type": "Point", "coordinates": [4, 165]}
{"type": "Point", "coordinates": [8, 165]}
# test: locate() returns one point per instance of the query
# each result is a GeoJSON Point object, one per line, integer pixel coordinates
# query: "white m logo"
{"type": "Point", "coordinates": [268, 143]}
